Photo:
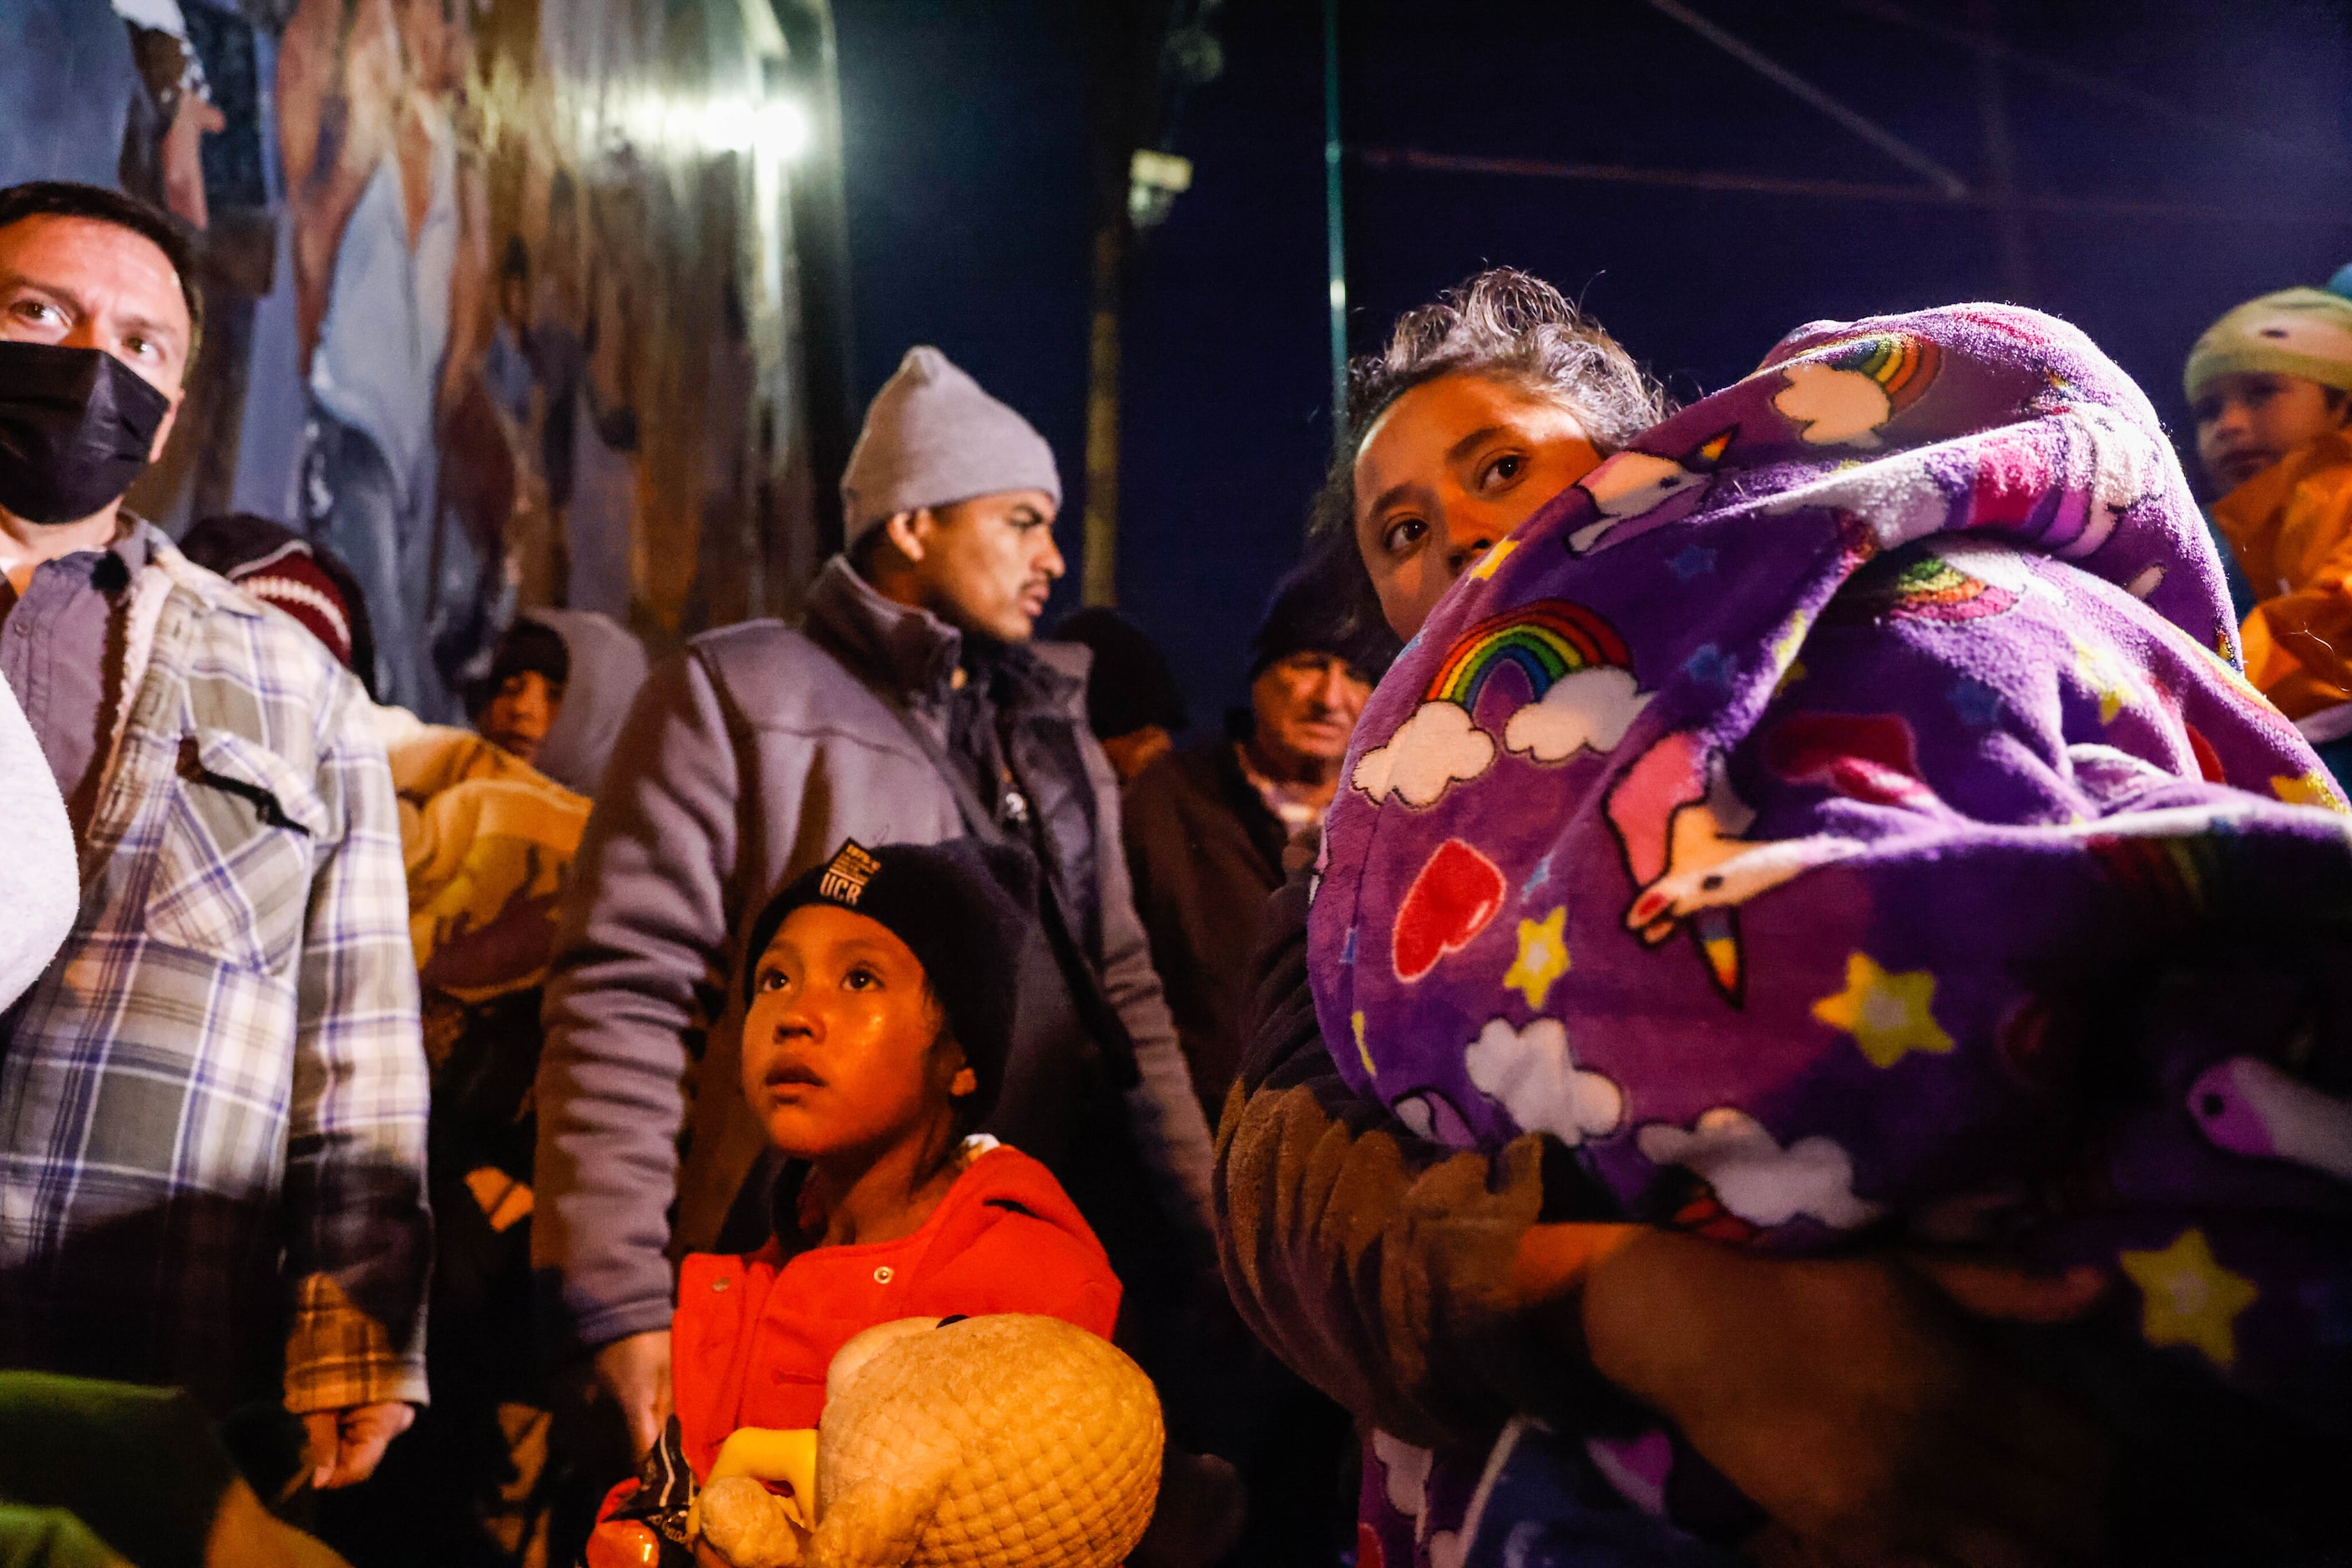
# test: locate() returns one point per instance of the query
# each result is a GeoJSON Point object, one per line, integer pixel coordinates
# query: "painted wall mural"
{"type": "Point", "coordinates": [503, 304]}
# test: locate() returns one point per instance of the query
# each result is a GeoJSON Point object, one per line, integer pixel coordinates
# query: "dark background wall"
{"type": "Point", "coordinates": [965, 129]}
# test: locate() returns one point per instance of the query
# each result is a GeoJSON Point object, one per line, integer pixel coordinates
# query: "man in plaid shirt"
{"type": "Point", "coordinates": [213, 1103]}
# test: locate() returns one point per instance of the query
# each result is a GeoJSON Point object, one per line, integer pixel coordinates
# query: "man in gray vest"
{"type": "Point", "coordinates": [909, 707]}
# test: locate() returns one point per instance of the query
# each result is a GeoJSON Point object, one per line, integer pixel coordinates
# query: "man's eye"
{"type": "Point", "coordinates": [141, 347]}
{"type": "Point", "coordinates": [1503, 469]}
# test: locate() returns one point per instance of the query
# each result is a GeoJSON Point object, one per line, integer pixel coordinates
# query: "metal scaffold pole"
{"type": "Point", "coordinates": [1334, 228]}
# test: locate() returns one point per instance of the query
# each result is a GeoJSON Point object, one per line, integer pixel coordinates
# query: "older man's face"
{"type": "Point", "coordinates": [79, 283]}
{"type": "Point", "coordinates": [1306, 706]}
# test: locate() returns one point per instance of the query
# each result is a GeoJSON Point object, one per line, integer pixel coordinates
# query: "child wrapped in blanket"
{"type": "Point", "coordinates": [2270, 385]}
{"type": "Point", "coordinates": [1839, 817]}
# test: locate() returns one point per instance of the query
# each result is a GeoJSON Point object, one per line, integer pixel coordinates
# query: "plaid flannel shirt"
{"type": "Point", "coordinates": [213, 1103]}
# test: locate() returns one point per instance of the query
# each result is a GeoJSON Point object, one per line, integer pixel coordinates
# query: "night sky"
{"type": "Point", "coordinates": [966, 172]}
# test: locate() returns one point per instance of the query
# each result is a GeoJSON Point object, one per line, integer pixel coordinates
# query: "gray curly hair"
{"type": "Point", "coordinates": [1507, 326]}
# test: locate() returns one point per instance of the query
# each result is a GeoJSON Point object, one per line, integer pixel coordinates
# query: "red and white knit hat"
{"type": "Point", "coordinates": [291, 578]}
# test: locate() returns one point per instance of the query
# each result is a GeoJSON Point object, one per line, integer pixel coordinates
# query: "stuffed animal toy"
{"type": "Point", "coordinates": [1005, 1441]}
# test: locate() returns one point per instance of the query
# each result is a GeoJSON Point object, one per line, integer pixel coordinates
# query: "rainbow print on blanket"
{"type": "Point", "coordinates": [1543, 641]}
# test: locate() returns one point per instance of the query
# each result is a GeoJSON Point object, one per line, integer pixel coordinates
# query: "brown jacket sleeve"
{"type": "Point", "coordinates": [1375, 1264]}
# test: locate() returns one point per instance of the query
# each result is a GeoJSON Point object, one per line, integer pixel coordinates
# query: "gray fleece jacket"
{"type": "Point", "coordinates": [747, 759]}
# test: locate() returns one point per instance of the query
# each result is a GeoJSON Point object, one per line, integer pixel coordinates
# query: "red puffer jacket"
{"type": "Point", "coordinates": [753, 1335]}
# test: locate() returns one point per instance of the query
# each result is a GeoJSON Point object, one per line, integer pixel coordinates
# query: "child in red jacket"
{"type": "Point", "coordinates": [880, 1012]}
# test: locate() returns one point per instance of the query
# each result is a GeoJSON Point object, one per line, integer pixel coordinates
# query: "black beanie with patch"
{"type": "Point", "coordinates": [963, 907]}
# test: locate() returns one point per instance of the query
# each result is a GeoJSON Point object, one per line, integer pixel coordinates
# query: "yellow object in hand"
{"type": "Point", "coordinates": [776, 1458]}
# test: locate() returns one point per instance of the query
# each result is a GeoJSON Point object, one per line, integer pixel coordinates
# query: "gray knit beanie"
{"type": "Point", "coordinates": [933, 438]}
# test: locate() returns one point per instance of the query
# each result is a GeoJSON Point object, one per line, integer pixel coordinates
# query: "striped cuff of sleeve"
{"type": "Point", "coordinates": [338, 1356]}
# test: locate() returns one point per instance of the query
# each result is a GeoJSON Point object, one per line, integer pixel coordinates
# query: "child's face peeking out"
{"type": "Point", "coordinates": [1446, 472]}
{"type": "Point", "coordinates": [845, 1050]}
{"type": "Point", "coordinates": [2248, 420]}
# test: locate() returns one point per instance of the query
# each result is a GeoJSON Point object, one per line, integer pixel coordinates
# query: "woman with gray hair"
{"type": "Point", "coordinates": [1459, 1295]}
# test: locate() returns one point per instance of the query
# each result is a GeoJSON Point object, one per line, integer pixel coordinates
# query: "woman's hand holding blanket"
{"type": "Point", "coordinates": [1849, 1402]}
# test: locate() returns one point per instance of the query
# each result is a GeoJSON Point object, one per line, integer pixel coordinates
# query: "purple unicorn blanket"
{"type": "Point", "coordinates": [1829, 818]}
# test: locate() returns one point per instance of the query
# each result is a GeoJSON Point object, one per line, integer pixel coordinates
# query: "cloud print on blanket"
{"type": "Point", "coordinates": [1756, 1178]}
{"type": "Point", "coordinates": [1590, 711]}
{"type": "Point", "coordinates": [1434, 750]}
{"type": "Point", "coordinates": [1844, 396]}
{"type": "Point", "coordinates": [1575, 668]}
{"type": "Point", "coordinates": [1533, 1075]}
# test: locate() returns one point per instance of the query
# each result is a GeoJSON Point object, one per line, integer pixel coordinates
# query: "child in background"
{"type": "Point", "coordinates": [2270, 385]}
{"type": "Point", "coordinates": [880, 1012]}
{"type": "Point", "coordinates": [515, 705]}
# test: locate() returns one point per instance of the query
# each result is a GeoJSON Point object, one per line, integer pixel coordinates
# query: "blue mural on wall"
{"type": "Point", "coordinates": [491, 288]}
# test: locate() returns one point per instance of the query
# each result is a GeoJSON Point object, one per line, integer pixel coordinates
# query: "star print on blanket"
{"type": "Point", "coordinates": [1941, 753]}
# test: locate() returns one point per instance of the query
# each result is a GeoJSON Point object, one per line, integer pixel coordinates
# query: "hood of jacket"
{"type": "Point", "coordinates": [608, 666]}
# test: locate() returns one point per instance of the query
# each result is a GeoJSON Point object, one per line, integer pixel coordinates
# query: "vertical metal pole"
{"type": "Point", "coordinates": [1335, 234]}
{"type": "Point", "coordinates": [819, 237]}
{"type": "Point", "coordinates": [1099, 584]}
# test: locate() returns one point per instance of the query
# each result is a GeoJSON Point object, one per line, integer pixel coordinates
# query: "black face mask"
{"type": "Point", "coordinates": [76, 425]}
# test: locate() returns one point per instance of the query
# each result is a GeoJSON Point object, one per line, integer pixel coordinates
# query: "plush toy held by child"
{"type": "Point", "coordinates": [1009, 1441]}
{"type": "Point", "coordinates": [879, 1015]}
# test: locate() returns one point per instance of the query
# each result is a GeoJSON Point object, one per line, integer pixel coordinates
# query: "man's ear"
{"type": "Point", "coordinates": [965, 1081]}
{"type": "Point", "coordinates": [909, 533]}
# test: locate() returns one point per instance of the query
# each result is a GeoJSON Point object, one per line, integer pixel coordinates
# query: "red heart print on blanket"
{"type": "Point", "coordinates": [1449, 903]}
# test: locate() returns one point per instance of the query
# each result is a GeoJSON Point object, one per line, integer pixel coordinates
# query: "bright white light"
{"type": "Point", "coordinates": [1339, 293]}
{"type": "Point", "coordinates": [701, 125]}
{"type": "Point", "coordinates": [725, 125]}
{"type": "Point", "coordinates": [783, 128]}
{"type": "Point", "coordinates": [1161, 171]}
